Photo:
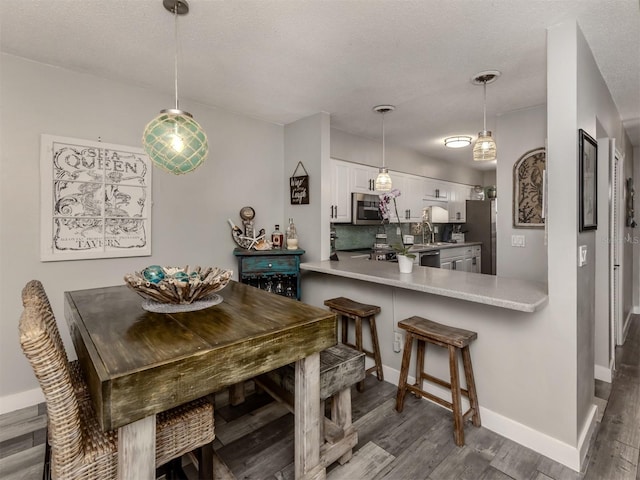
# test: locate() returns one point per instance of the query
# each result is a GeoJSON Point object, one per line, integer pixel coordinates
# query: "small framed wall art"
{"type": "Point", "coordinates": [299, 186]}
{"type": "Point", "coordinates": [588, 184]}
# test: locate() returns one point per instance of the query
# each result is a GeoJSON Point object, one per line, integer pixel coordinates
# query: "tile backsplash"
{"type": "Point", "coordinates": [349, 237]}
{"type": "Point", "coordinates": [363, 236]}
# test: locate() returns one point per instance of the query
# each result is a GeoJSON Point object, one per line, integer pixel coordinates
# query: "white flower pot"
{"type": "Point", "coordinates": [405, 263]}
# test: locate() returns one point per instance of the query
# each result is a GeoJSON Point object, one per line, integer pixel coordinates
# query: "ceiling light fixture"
{"type": "Point", "coordinates": [485, 148]}
{"type": "Point", "coordinates": [459, 141]}
{"type": "Point", "coordinates": [173, 140]}
{"type": "Point", "coordinates": [383, 180]}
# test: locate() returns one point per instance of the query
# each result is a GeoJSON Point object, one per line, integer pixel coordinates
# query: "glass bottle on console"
{"type": "Point", "coordinates": [277, 238]}
{"type": "Point", "coordinates": [292, 236]}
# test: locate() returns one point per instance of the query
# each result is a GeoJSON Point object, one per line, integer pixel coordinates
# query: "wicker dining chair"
{"type": "Point", "coordinates": [34, 293]}
{"type": "Point", "coordinates": [79, 448]}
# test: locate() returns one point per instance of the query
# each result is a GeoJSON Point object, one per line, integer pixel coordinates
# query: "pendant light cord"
{"type": "Point", "coordinates": [175, 59]}
{"type": "Point", "coordinates": [484, 116]}
{"type": "Point", "coordinates": [383, 140]}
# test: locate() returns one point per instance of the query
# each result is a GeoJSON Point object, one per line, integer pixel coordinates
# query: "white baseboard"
{"type": "Point", "coordinates": [568, 455]}
{"type": "Point", "coordinates": [10, 403]}
{"type": "Point", "coordinates": [603, 373]}
{"type": "Point", "coordinates": [588, 429]}
{"type": "Point", "coordinates": [553, 448]}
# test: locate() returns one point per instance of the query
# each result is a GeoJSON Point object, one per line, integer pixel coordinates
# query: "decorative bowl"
{"type": "Point", "coordinates": [178, 286]}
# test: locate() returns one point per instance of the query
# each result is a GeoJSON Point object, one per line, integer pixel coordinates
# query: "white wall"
{"type": "Point", "coordinates": [307, 141]}
{"type": "Point", "coordinates": [354, 148]}
{"type": "Point", "coordinates": [490, 177]}
{"type": "Point", "coordinates": [562, 154]}
{"type": "Point", "coordinates": [520, 131]}
{"type": "Point", "coordinates": [577, 99]}
{"type": "Point", "coordinates": [189, 212]}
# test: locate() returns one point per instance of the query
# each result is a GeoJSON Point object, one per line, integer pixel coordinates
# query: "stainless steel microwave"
{"type": "Point", "coordinates": [365, 209]}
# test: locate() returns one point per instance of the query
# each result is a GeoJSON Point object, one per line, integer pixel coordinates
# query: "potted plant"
{"type": "Point", "coordinates": [405, 258]}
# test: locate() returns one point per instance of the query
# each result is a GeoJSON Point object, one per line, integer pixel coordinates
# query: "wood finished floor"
{"type": "Point", "coordinates": [256, 439]}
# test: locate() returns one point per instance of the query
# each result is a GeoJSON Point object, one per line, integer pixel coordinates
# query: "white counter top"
{"type": "Point", "coordinates": [511, 293]}
{"type": "Point", "coordinates": [415, 248]}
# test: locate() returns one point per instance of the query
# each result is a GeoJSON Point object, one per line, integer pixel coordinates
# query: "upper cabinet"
{"type": "Point", "coordinates": [363, 178]}
{"type": "Point", "coordinates": [409, 203]}
{"type": "Point", "coordinates": [416, 192]}
{"type": "Point", "coordinates": [436, 190]}
{"type": "Point", "coordinates": [340, 209]}
{"type": "Point", "coordinates": [457, 205]}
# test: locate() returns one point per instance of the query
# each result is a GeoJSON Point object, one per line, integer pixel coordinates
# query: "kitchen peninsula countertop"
{"type": "Point", "coordinates": [503, 292]}
{"type": "Point", "coordinates": [425, 247]}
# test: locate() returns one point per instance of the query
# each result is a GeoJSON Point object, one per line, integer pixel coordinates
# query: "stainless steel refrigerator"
{"type": "Point", "coordinates": [481, 227]}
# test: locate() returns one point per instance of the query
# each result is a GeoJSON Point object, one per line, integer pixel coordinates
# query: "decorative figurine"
{"type": "Point", "coordinates": [247, 238]}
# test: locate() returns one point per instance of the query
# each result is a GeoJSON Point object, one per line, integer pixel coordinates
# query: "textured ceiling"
{"type": "Point", "coordinates": [282, 60]}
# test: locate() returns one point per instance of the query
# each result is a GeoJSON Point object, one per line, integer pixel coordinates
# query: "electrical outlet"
{"type": "Point", "coordinates": [398, 231]}
{"type": "Point", "coordinates": [397, 340]}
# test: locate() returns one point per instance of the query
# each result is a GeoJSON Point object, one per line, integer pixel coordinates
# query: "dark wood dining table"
{"type": "Point", "coordinates": [139, 363]}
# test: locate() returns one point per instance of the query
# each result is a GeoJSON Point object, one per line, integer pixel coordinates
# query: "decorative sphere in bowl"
{"type": "Point", "coordinates": [153, 273]}
{"type": "Point", "coordinates": [176, 285]}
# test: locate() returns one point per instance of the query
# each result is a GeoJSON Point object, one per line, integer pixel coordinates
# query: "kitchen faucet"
{"type": "Point", "coordinates": [427, 223]}
{"type": "Point", "coordinates": [432, 238]}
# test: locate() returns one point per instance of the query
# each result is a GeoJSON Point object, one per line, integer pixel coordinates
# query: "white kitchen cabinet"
{"type": "Point", "coordinates": [363, 178]}
{"type": "Point", "coordinates": [457, 205]}
{"type": "Point", "coordinates": [435, 194]}
{"type": "Point", "coordinates": [465, 259]}
{"type": "Point", "coordinates": [340, 211]}
{"type": "Point", "coordinates": [446, 264]}
{"type": "Point", "coordinates": [399, 181]}
{"type": "Point", "coordinates": [410, 200]}
{"type": "Point", "coordinates": [435, 190]}
{"type": "Point", "coordinates": [415, 192]}
{"type": "Point", "coordinates": [468, 265]}
{"type": "Point", "coordinates": [476, 263]}
{"type": "Point", "coordinates": [452, 258]}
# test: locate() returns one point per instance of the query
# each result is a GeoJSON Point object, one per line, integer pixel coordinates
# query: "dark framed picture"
{"type": "Point", "coordinates": [528, 189]}
{"type": "Point", "coordinates": [588, 182]}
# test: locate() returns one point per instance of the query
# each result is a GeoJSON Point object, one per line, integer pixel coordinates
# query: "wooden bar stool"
{"type": "Point", "coordinates": [454, 339]}
{"type": "Point", "coordinates": [359, 312]}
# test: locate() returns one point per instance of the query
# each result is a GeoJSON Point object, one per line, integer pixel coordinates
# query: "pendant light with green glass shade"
{"type": "Point", "coordinates": [485, 148]}
{"type": "Point", "coordinates": [174, 141]}
{"type": "Point", "coordinates": [383, 180]}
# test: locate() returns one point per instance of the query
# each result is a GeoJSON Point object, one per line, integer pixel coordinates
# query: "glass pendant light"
{"type": "Point", "coordinates": [173, 140]}
{"type": "Point", "coordinates": [485, 148]}
{"type": "Point", "coordinates": [383, 180]}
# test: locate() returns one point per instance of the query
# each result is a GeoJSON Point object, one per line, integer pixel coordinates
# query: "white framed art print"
{"type": "Point", "coordinates": [95, 200]}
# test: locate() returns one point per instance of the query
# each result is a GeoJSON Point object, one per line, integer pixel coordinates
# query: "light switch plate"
{"type": "Point", "coordinates": [517, 241]}
{"type": "Point", "coordinates": [582, 255]}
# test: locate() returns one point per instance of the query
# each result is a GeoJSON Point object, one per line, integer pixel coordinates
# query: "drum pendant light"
{"type": "Point", "coordinates": [173, 140]}
{"type": "Point", "coordinates": [485, 148]}
{"type": "Point", "coordinates": [383, 180]}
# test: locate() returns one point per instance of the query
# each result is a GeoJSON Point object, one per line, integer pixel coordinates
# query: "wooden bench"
{"type": "Point", "coordinates": [340, 368]}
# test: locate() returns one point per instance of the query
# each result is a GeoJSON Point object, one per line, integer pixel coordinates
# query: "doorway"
{"type": "Point", "coordinates": [615, 249]}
